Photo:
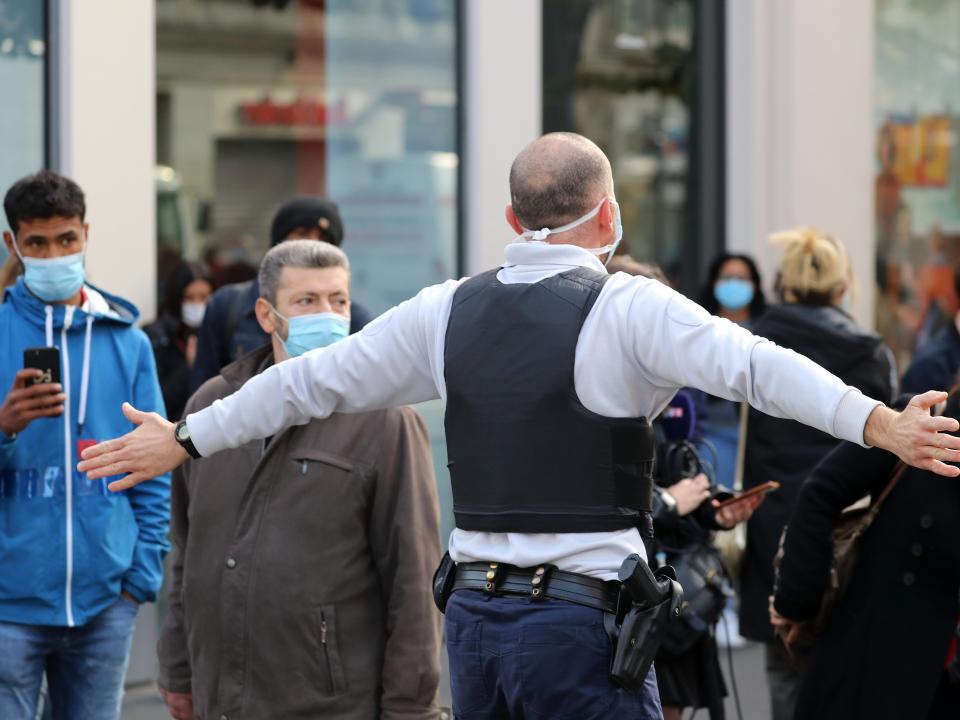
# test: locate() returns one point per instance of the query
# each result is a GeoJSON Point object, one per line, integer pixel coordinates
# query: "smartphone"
{"type": "Point", "coordinates": [758, 490]}
{"type": "Point", "coordinates": [45, 359]}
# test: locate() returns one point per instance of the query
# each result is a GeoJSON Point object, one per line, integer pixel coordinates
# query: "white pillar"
{"type": "Point", "coordinates": [102, 117]}
{"type": "Point", "coordinates": [103, 120]}
{"type": "Point", "coordinates": [501, 96]}
{"type": "Point", "coordinates": [800, 136]}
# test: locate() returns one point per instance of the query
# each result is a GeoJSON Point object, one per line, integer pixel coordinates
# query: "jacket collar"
{"type": "Point", "coordinates": [253, 363]}
{"type": "Point", "coordinates": [536, 253]}
{"type": "Point", "coordinates": [101, 305]}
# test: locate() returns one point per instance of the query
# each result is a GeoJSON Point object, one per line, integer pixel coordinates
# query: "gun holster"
{"type": "Point", "coordinates": [443, 581]}
{"type": "Point", "coordinates": [638, 633]}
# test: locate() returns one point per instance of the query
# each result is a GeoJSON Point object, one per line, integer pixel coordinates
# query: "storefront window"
{"type": "Point", "coordinates": [260, 101]}
{"type": "Point", "coordinates": [621, 73]}
{"type": "Point", "coordinates": [353, 100]}
{"type": "Point", "coordinates": [23, 52]}
{"type": "Point", "coordinates": [917, 186]}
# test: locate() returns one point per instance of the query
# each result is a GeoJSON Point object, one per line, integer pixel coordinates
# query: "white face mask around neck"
{"type": "Point", "coordinates": [542, 234]}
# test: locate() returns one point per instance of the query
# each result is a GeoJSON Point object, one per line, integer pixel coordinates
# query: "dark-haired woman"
{"type": "Point", "coordinates": [174, 333]}
{"type": "Point", "coordinates": [733, 291]}
{"type": "Point", "coordinates": [889, 650]}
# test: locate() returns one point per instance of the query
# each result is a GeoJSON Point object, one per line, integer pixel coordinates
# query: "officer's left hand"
{"type": "Point", "coordinates": [916, 437]}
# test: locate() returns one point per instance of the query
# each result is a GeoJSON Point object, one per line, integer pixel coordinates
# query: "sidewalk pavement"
{"type": "Point", "coordinates": [144, 703]}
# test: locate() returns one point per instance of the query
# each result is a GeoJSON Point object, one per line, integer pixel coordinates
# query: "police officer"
{"type": "Point", "coordinates": [548, 366]}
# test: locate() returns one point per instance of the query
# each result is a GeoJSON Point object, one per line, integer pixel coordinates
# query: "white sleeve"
{"type": "Point", "coordinates": [388, 363]}
{"type": "Point", "coordinates": [689, 347]}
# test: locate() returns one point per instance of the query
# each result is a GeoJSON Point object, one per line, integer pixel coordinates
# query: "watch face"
{"type": "Point", "coordinates": [182, 432]}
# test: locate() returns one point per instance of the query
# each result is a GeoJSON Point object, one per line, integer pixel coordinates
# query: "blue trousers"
{"type": "Point", "coordinates": [85, 666]}
{"type": "Point", "coordinates": [512, 658]}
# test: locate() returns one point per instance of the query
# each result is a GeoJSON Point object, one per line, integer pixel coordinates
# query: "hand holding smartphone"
{"type": "Point", "coordinates": [36, 391]}
{"type": "Point", "coordinates": [747, 494]}
{"type": "Point", "coordinates": [47, 361]}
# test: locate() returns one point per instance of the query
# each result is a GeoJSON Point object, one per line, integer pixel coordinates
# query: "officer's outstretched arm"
{"type": "Point", "coordinates": [387, 364]}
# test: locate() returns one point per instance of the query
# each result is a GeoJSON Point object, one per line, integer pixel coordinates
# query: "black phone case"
{"type": "Point", "coordinates": [46, 359]}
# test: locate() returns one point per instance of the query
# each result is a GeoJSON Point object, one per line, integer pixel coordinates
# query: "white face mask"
{"type": "Point", "coordinates": [192, 313]}
{"type": "Point", "coordinates": [542, 234]}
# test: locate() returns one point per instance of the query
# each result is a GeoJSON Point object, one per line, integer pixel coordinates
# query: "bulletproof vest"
{"type": "Point", "coordinates": [525, 454]}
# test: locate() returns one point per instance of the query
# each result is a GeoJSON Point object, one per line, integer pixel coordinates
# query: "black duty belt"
{"type": "Point", "coordinates": [539, 583]}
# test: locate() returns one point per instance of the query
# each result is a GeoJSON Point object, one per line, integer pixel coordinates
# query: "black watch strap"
{"type": "Point", "coordinates": [182, 436]}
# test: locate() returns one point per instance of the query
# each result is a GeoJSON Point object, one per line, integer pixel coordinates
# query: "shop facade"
{"type": "Point", "coordinates": [187, 122]}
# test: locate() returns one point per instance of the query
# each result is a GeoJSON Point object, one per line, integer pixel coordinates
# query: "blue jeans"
{"type": "Point", "coordinates": [511, 658]}
{"type": "Point", "coordinates": [85, 666]}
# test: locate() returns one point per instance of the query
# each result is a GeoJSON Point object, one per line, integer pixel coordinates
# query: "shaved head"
{"type": "Point", "coordinates": [556, 179]}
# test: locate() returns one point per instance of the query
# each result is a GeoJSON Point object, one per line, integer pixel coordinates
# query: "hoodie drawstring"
{"type": "Point", "coordinates": [49, 324]}
{"type": "Point", "coordinates": [85, 373]}
{"type": "Point", "coordinates": [85, 376]}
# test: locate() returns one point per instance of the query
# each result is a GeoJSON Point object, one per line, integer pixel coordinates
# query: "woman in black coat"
{"type": "Point", "coordinates": [174, 333]}
{"type": "Point", "coordinates": [883, 654]}
{"type": "Point", "coordinates": [814, 282]}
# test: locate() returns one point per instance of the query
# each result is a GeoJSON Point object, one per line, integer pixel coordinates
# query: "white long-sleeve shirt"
{"type": "Point", "coordinates": [640, 343]}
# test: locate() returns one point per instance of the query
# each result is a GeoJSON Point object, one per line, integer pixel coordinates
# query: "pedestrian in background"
{"type": "Point", "coordinates": [685, 516]}
{"type": "Point", "coordinates": [733, 290]}
{"type": "Point", "coordinates": [815, 281]}
{"type": "Point", "coordinates": [173, 334]}
{"type": "Point", "coordinates": [936, 363]}
{"type": "Point", "coordinates": [888, 651]}
{"type": "Point", "coordinates": [230, 329]}
{"type": "Point", "coordinates": [301, 569]}
{"type": "Point", "coordinates": [75, 559]}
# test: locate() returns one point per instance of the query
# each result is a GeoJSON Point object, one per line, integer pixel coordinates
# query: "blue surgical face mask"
{"type": "Point", "coordinates": [309, 332]}
{"type": "Point", "coordinates": [543, 233]}
{"type": "Point", "coordinates": [53, 279]}
{"type": "Point", "coordinates": [733, 293]}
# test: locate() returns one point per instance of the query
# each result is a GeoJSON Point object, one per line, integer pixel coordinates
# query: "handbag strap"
{"type": "Point", "coordinates": [898, 472]}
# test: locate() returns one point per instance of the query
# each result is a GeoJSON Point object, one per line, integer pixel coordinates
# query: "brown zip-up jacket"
{"type": "Point", "coordinates": [301, 570]}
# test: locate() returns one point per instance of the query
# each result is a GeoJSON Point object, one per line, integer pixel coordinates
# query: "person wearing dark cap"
{"type": "Point", "coordinates": [230, 329]}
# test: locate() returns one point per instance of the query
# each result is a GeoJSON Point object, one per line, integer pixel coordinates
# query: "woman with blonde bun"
{"type": "Point", "coordinates": [815, 283]}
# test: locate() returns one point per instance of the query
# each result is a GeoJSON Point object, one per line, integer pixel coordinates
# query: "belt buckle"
{"type": "Point", "coordinates": [540, 581]}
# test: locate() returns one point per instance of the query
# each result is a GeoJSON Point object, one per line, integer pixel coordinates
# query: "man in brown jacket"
{"type": "Point", "coordinates": [302, 565]}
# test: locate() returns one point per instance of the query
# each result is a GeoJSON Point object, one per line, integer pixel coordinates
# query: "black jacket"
{"type": "Point", "coordinates": [168, 339]}
{"type": "Point", "coordinates": [882, 655]}
{"type": "Point", "coordinates": [786, 451]}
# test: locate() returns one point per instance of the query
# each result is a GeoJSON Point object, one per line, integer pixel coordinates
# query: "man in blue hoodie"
{"type": "Point", "coordinates": [75, 559]}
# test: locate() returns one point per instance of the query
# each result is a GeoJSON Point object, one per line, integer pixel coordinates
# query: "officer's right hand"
{"type": "Point", "coordinates": [179, 705]}
{"type": "Point", "coordinates": [26, 402]}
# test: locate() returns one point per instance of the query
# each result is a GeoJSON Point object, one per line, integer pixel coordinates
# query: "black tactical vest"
{"type": "Point", "coordinates": [525, 454]}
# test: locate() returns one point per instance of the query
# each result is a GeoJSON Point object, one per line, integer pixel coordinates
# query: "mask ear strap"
{"type": "Point", "coordinates": [542, 233]}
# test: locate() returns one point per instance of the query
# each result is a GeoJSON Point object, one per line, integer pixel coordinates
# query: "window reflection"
{"type": "Point", "coordinates": [618, 71]}
{"type": "Point", "coordinates": [354, 100]}
{"type": "Point", "coordinates": [917, 181]}
{"type": "Point", "coordinates": [22, 65]}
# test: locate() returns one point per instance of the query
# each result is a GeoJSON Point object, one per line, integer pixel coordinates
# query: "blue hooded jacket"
{"type": "Point", "coordinates": [68, 549]}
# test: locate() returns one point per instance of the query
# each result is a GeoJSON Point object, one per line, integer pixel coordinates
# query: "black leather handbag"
{"type": "Point", "coordinates": [706, 587]}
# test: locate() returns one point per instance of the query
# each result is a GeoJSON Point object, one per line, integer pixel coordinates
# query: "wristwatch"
{"type": "Point", "coordinates": [182, 435]}
{"type": "Point", "coordinates": [668, 500]}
